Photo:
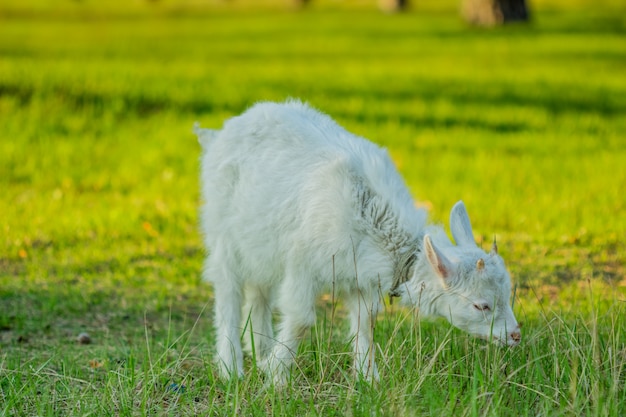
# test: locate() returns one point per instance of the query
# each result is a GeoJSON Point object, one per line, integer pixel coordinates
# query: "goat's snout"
{"type": "Point", "coordinates": [516, 337]}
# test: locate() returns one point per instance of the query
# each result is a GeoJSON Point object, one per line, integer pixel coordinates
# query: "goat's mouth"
{"type": "Point", "coordinates": [508, 341]}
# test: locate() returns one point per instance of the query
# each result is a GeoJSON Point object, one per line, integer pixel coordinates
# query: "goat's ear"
{"type": "Point", "coordinates": [441, 265]}
{"type": "Point", "coordinates": [460, 226]}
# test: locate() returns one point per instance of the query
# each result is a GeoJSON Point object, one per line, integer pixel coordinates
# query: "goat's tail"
{"type": "Point", "coordinates": [204, 135]}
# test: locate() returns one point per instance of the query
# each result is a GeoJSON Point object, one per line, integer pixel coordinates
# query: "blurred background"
{"type": "Point", "coordinates": [522, 119]}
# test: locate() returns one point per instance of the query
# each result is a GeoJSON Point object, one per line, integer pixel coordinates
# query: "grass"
{"type": "Point", "coordinates": [98, 221]}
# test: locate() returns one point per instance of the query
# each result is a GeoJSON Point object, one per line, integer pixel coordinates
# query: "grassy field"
{"type": "Point", "coordinates": [99, 196]}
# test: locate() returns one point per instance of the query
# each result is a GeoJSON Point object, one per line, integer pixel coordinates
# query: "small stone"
{"type": "Point", "coordinates": [173, 387]}
{"type": "Point", "coordinates": [83, 338]}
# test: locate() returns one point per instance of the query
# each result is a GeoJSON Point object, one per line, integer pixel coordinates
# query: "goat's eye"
{"type": "Point", "coordinates": [482, 307]}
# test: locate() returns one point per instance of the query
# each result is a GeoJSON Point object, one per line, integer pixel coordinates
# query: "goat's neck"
{"type": "Point", "coordinates": [424, 289]}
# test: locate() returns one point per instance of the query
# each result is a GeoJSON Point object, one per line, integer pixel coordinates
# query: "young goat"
{"type": "Point", "coordinates": [293, 205]}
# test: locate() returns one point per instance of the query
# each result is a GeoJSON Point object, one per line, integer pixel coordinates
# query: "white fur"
{"type": "Point", "coordinates": [294, 205]}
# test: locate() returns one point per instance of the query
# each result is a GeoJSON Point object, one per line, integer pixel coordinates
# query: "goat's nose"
{"type": "Point", "coordinates": [516, 336]}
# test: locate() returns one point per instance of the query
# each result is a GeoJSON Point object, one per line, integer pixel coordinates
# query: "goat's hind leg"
{"type": "Point", "coordinates": [296, 305]}
{"type": "Point", "coordinates": [258, 321]}
{"type": "Point", "coordinates": [228, 301]}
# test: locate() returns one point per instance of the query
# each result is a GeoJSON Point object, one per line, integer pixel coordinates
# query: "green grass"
{"type": "Point", "coordinates": [99, 196]}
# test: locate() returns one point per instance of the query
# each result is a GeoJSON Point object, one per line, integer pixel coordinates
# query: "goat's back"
{"type": "Point", "coordinates": [280, 183]}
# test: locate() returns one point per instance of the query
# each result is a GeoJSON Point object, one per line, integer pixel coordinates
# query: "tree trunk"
{"type": "Point", "coordinates": [392, 6]}
{"type": "Point", "coordinates": [495, 12]}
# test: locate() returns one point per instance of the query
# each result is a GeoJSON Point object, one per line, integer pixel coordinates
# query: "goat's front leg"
{"type": "Point", "coordinates": [363, 310]}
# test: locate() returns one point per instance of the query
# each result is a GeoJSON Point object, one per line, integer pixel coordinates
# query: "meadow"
{"type": "Point", "coordinates": [99, 195]}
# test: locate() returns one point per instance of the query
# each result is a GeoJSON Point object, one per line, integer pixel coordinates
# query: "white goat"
{"type": "Point", "coordinates": [295, 204]}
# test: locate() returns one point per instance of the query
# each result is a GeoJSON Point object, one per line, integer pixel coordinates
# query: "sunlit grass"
{"type": "Point", "coordinates": [99, 190]}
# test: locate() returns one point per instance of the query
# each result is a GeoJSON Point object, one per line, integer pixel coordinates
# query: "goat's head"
{"type": "Point", "coordinates": [476, 285]}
